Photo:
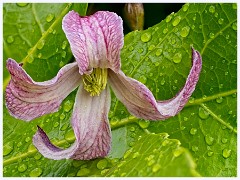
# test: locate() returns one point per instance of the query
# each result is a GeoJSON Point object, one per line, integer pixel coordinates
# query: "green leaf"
{"type": "Point", "coordinates": [160, 57]}
{"type": "Point", "coordinates": [155, 155]}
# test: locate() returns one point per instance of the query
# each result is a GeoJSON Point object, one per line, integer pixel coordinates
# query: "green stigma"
{"type": "Point", "coordinates": [95, 82]}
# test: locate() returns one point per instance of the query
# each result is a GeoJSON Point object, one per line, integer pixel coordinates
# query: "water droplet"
{"type": "Point", "coordinates": [68, 105]}
{"type": "Point", "coordinates": [182, 128]}
{"type": "Point", "coordinates": [219, 100]}
{"type": "Point", "coordinates": [212, 9]}
{"type": "Point", "coordinates": [162, 82]}
{"type": "Point", "coordinates": [151, 47]}
{"type": "Point", "coordinates": [102, 164]}
{"type": "Point", "coordinates": [185, 119]}
{"type": "Point", "coordinates": [22, 168]}
{"type": "Point", "coordinates": [140, 50]}
{"type": "Point", "coordinates": [234, 5]}
{"type": "Point", "coordinates": [7, 148]}
{"type": "Point", "coordinates": [209, 140]}
{"type": "Point", "coordinates": [156, 168]}
{"type": "Point", "coordinates": [22, 4]}
{"type": "Point", "coordinates": [27, 139]}
{"type": "Point", "coordinates": [210, 153]}
{"type": "Point", "coordinates": [38, 156]}
{"type": "Point", "coordinates": [227, 153]}
{"type": "Point", "coordinates": [83, 172]}
{"type": "Point", "coordinates": [178, 152]}
{"type": "Point", "coordinates": [143, 79]}
{"type": "Point", "coordinates": [64, 44]}
{"type": "Point", "coordinates": [234, 26]}
{"type": "Point", "coordinates": [176, 21]}
{"type": "Point", "coordinates": [202, 113]}
{"type": "Point", "coordinates": [211, 35]}
{"type": "Point", "coordinates": [31, 148]}
{"type": "Point", "coordinates": [177, 58]}
{"type": "Point", "coordinates": [61, 64]}
{"type": "Point", "coordinates": [194, 17]}
{"type": "Point", "coordinates": [158, 52]}
{"type": "Point", "coordinates": [185, 7]}
{"type": "Point", "coordinates": [39, 55]}
{"type": "Point", "coordinates": [193, 27]}
{"type": "Point", "coordinates": [168, 18]}
{"type": "Point", "coordinates": [63, 53]}
{"type": "Point", "coordinates": [40, 44]}
{"type": "Point", "coordinates": [151, 162]}
{"type": "Point", "coordinates": [156, 64]}
{"type": "Point", "coordinates": [193, 131]}
{"type": "Point", "coordinates": [132, 129]}
{"type": "Point", "coordinates": [165, 30]}
{"type": "Point", "coordinates": [69, 135]}
{"type": "Point", "coordinates": [10, 39]}
{"type": "Point", "coordinates": [194, 148]}
{"type": "Point", "coordinates": [123, 174]}
{"type": "Point", "coordinates": [185, 31]}
{"type": "Point", "coordinates": [146, 37]}
{"type": "Point", "coordinates": [64, 127]}
{"type": "Point", "coordinates": [35, 172]}
{"type": "Point", "coordinates": [130, 48]}
{"type": "Point", "coordinates": [220, 21]}
{"type": "Point", "coordinates": [143, 123]}
{"type": "Point", "coordinates": [127, 153]}
{"type": "Point", "coordinates": [224, 140]}
{"type": "Point", "coordinates": [136, 154]}
{"type": "Point", "coordinates": [49, 17]}
{"type": "Point", "coordinates": [56, 124]}
{"type": "Point", "coordinates": [19, 144]}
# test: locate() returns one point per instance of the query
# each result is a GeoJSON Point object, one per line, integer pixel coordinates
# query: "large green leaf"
{"type": "Point", "coordinates": [160, 57]}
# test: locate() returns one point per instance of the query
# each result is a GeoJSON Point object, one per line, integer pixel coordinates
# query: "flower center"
{"type": "Point", "coordinates": [95, 82]}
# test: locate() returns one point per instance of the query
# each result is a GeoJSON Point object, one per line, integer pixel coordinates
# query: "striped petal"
{"type": "Point", "coordinates": [140, 101]}
{"type": "Point", "coordinates": [95, 40]}
{"type": "Point", "coordinates": [91, 129]}
{"type": "Point", "coordinates": [27, 99]}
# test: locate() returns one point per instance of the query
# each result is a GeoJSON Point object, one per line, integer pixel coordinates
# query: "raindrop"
{"type": "Point", "coordinates": [234, 5]}
{"type": "Point", "coordinates": [194, 148]}
{"type": "Point", "coordinates": [194, 17]}
{"type": "Point", "coordinates": [151, 47]}
{"type": "Point", "coordinates": [191, 99]}
{"type": "Point", "coordinates": [54, 31]}
{"type": "Point", "coordinates": [165, 30]}
{"type": "Point", "coordinates": [35, 172]}
{"type": "Point", "coordinates": [182, 128]}
{"type": "Point", "coordinates": [227, 36]}
{"type": "Point", "coordinates": [234, 95]}
{"type": "Point", "coordinates": [143, 123]}
{"type": "Point", "coordinates": [30, 58]}
{"type": "Point", "coordinates": [49, 17]}
{"type": "Point", "coordinates": [211, 9]}
{"type": "Point", "coordinates": [219, 100]}
{"type": "Point", "coordinates": [211, 35]}
{"type": "Point", "coordinates": [132, 129]}
{"type": "Point", "coordinates": [64, 127]}
{"type": "Point", "coordinates": [226, 153]}
{"type": "Point", "coordinates": [185, 7]}
{"type": "Point", "coordinates": [158, 52]}
{"type": "Point", "coordinates": [230, 112]}
{"type": "Point", "coordinates": [31, 148]}
{"type": "Point", "coordinates": [151, 162]}
{"type": "Point", "coordinates": [193, 131]}
{"type": "Point", "coordinates": [102, 164]}
{"type": "Point", "coordinates": [22, 4]}
{"type": "Point", "coordinates": [10, 39]}
{"type": "Point", "coordinates": [19, 144]}
{"type": "Point", "coordinates": [209, 140]}
{"type": "Point", "coordinates": [83, 172]}
{"type": "Point", "coordinates": [202, 113]}
{"type": "Point", "coordinates": [146, 37]}
{"type": "Point", "coordinates": [61, 64]}
{"type": "Point", "coordinates": [234, 26]}
{"type": "Point", "coordinates": [156, 64]}
{"type": "Point", "coordinates": [56, 124]}
{"type": "Point", "coordinates": [210, 153]}
{"type": "Point", "coordinates": [37, 156]}
{"type": "Point", "coordinates": [40, 44]}
{"type": "Point", "coordinates": [193, 27]}
{"type": "Point", "coordinates": [62, 116]}
{"type": "Point", "coordinates": [220, 21]}
{"type": "Point", "coordinates": [178, 152]}
{"type": "Point", "coordinates": [136, 154]}
{"type": "Point", "coordinates": [224, 140]}
{"type": "Point", "coordinates": [7, 148]}
{"type": "Point", "coordinates": [185, 119]}
{"type": "Point", "coordinates": [216, 14]}
{"type": "Point", "coordinates": [185, 31]}
{"type": "Point", "coordinates": [123, 174]}
{"type": "Point", "coordinates": [226, 73]}
{"type": "Point", "coordinates": [39, 55]}
{"type": "Point", "coordinates": [176, 21]}
{"type": "Point", "coordinates": [177, 58]}
{"type": "Point", "coordinates": [63, 53]}
{"type": "Point", "coordinates": [127, 153]}
{"type": "Point", "coordinates": [143, 79]}
{"type": "Point", "coordinates": [69, 135]}
{"type": "Point", "coordinates": [22, 168]}
{"type": "Point", "coordinates": [27, 139]}
{"type": "Point", "coordinates": [130, 48]}
{"type": "Point", "coordinates": [162, 82]}
{"type": "Point", "coordinates": [168, 18]}
{"type": "Point", "coordinates": [68, 105]}
{"type": "Point", "coordinates": [156, 168]}
{"type": "Point", "coordinates": [64, 44]}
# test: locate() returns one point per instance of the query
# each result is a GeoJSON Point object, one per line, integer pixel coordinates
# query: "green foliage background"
{"type": "Point", "coordinates": [200, 141]}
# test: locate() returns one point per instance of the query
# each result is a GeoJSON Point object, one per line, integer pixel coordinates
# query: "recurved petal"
{"type": "Point", "coordinates": [27, 99]}
{"type": "Point", "coordinates": [95, 40]}
{"type": "Point", "coordinates": [140, 101]}
{"type": "Point", "coordinates": [91, 129]}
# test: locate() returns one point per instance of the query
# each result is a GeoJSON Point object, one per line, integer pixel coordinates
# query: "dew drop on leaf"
{"type": "Point", "coordinates": [193, 131]}
{"type": "Point", "coordinates": [69, 135]}
{"type": "Point", "coordinates": [165, 30]}
{"type": "Point", "coordinates": [176, 21]}
{"type": "Point", "coordinates": [185, 118]}
{"type": "Point", "coordinates": [194, 17]}
{"type": "Point", "coordinates": [64, 44]}
{"type": "Point", "coordinates": [210, 153]}
{"type": "Point", "coordinates": [146, 37]}
{"type": "Point", "coordinates": [38, 156]}
{"type": "Point", "coordinates": [212, 9]}
{"type": "Point", "coordinates": [136, 154]}
{"type": "Point", "coordinates": [143, 123]}
{"type": "Point", "coordinates": [27, 139]}
{"type": "Point", "coordinates": [234, 26]}
{"type": "Point", "coordinates": [49, 17]}
{"type": "Point", "coordinates": [143, 79]}
{"type": "Point", "coordinates": [22, 168]}
{"type": "Point", "coordinates": [102, 164]}
{"type": "Point", "coordinates": [209, 140]}
{"type": "Point", "coordinates": [31, 148]}
{"type": "Point", "coordinates": [224, 140]}
{"type": "Point", "coordinates": [151, 47]}
{"type": "Point", "coordinates": [220, 21]}
{"type": "Point", "coordinates": [230, 112]}
{"type": "Point", "coordinates": [63, 53]}
{"type": "Point", "coordinates": [156, 168]}
{"type": "Point", "coordinates": [219, 100]}
{"type": "Point", "coordinates": [185, 31]}
{"type": "Point", "coordinates": [19, 144]}
{"type": "Point", "coordinates": [158, 52]}
{"type": "Point", "coordinates": [10, 39]}
{"type": "Point", "coordinates": [178, 152]}
{"type": "Point", "coordinates": [40, 44]}
{"type": "Point", "coordinates": [202, 113]}
{"type": "Point", "coordinates": [7, 148]}
{"type": "Point", "coordinates": [35, 172]}
{"type": "Point", "coordinates": [177, 58]}
{"type": "Point", "coordinates": [226, 153]}
{"type": "Point", "coordinates": [126, 155]}
{"type": "Point", "coordinates": [30, 58]}
{"type": "Point", "coordinates": [22, 4]}
{"type": "Point", "coordinates": [67, 106]}
{"type": "Point", "coordinates": [234, 5]}
{"type": "Point", "coordinates": [61, 64]}
{"type": "Point", "coordinates": [151, 162]}
{"type": "Point", "coordinates": [130, 48]}
{"type": "Point", "coordinates": [168, 18]}
{"type": "Point", "coordinates": [56, 124]}
{"type": "Point", "coordinates": [194, 148]}
{"type": "Point", "coordinates": [83, 172]}
{"type": "Point", "coordinates": [211, 35]}
{"type": "Point", "coordinates": [132, 129]}
{"type": "Point", "coordinates": [185, 7]}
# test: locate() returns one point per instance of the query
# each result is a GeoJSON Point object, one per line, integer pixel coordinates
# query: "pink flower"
{"type": "Point", "coordinates": [95, 42]}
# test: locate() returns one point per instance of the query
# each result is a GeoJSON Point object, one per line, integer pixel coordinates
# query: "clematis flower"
{"type": "Point", "coordinates": [95, 42]}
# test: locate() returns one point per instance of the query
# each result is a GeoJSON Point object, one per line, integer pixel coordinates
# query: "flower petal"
{"type": "Point", "coordinates": [95, 40]}
{"type": "Point", "coordinates": [27, 99]}
{"type": "Point", "coordinates": [140, 101]}
{"type": "Point", "coordinates": [91, 128]}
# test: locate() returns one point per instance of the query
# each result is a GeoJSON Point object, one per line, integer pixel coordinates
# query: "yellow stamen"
{"type": "Point", "coordinates": [95, 82]}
